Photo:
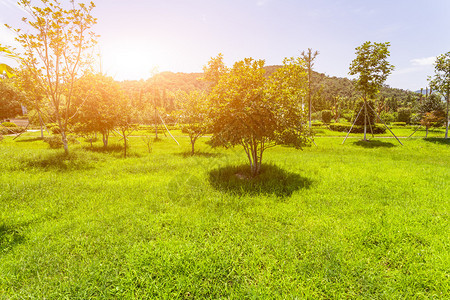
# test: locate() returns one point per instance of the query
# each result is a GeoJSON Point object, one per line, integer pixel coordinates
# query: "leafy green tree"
{"type": "Point", "coordinates": [37, 107]}
{"type": "Point", "coordinates": [193, 114]}
{"type": "Point", "coordinates": [214, 70]}
{"type": "Point", "coordinates": [56, 51]}
{"type": "Point", "coordinates": [97, 95]}
{"type": "Point", "coordinates": [10, 99]}
{"type": "Point", "coordinates": [404, 115]}
{"type": "Point", "coordinates": [441, 81]}
{"type": "Point", "coordinates": [372, 69]}
{"type": "Point", "coordinates": [432, 103]}
{"type": "Point", "coordinates": [258, 112]}
{"type": "Point", "coordinates": [124, 122]}
{"type": "Point", "coordinates": [432, 119]}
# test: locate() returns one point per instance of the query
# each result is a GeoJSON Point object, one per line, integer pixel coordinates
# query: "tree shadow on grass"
{"type": "Point", "coordinates": [441, 141]}
{"type": "Point", "coordinates": [374, 144]}
{"type": "Point", "coordinates": [113, 148]}
{"type": "Point", "coordinates": [59, 161]}
{"type": "Point", "coordinates": [35, 139]}
{"type": "Point", "coordinates": [9, 237]}
{"type": "Point", "coordinates": [199, 154]}
{"type": "Point", "coordinates": [271, 181]}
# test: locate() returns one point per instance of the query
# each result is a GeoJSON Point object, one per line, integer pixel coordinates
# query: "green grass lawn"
{"type": "Point", "coordinates": [399, 131]}
{"type": "Point", "coordinates": [360, 220]}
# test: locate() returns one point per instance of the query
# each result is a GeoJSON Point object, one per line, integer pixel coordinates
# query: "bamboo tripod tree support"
{"type": "Point", "coordinates": [364, 107]}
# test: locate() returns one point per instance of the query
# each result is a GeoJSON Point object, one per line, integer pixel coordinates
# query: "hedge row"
{"type": "Point", "coordinates": [377, 129]}
{"type": "Point", "coordinates": [11, 130]}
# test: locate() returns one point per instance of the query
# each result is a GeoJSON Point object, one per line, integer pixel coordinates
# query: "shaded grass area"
{"type": "Point", "coordinates": [347, 221]}
{"type": "Point", "coordinates": [238, 180]}
{"type": "Point", "coordinates": [442, 141]}
{"type": "Point", "coordinates": [374, 144]}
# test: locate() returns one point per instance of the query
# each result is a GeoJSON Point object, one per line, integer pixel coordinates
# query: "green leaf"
{"type": "Point", "coordinates": [5, 69]}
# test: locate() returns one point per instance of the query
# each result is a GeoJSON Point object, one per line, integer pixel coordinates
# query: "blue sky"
{"type": "Point", "coordinates": [139, 38]}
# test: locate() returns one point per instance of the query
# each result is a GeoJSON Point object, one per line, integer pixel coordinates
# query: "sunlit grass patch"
{"type": "Point", "coordinates": [331, 221]}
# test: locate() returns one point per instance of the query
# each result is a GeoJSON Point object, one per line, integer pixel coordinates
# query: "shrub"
{"type": "Point", "coordinates": [370, 114]}
{"type": "Point", "coordinates": [55, 141]}
{"type": "Point", "coordinates": [54, 128]}
{"type": "Point", "coordinates": [377, 129]}
{"type": "Point", "coordinates": [404, 115]}
{"type": "Point", "coordinates": [316, 116]}
{"type": "Point", "coordinates": [8, 124]}
{"type": "Point", "coordinates": [398, 123]}
{"type": "Point", "coordinates": [387, 117]}
{"type": "Point", "coordinates": [316, 124]}
{"type": "Point", "coordinates": [347, 116]}
{"type": "Point", "coordinates": [11, 130]}
{"type": "Point", "coordinates": [326, 116]}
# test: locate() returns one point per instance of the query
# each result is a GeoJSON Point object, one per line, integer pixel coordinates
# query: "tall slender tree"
{"type": "Point", "coordinates": [55, 51]}
{"type": "Point", "coordinates": [372, 68]}
{"type": "Point", "coordinates": [441, 81]}
{"type": "Point", "coordinates": [309, 57]}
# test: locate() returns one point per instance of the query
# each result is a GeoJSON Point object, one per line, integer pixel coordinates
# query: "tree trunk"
{"type": "Point", "coordinates": [124, 144]}
{"type": "Point", "coordinates": [41, 123]}
{"type": "Point", "coordinates": [156, 124]}
{"type": "Point", "coordinates": [105, 139]}
{"type": "Point", "coordinates": [426, 132]}
{"type": "Point", "coordinates": [309, 93]}
{"type": "Point", "coordinates": [446, 127]}
{"type": "Point", "coordinates": [365, 120]}
{"type": "Point", "coordinates": [64, 141]}
{"type": "Point", "coordinates": [192, 145]}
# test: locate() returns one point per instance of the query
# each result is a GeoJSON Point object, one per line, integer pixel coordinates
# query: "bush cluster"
{"type": "Point", "coordinates": [404, 115]}
{"type": "Point", "coordinates": [377, 129]}
{"type": "Point", "coordinates": [8, 124]}
{"type": "Point", "coordinates": [54, 128]}
{"type": "Point", "coordinates": [326, 116]}
{"type": "Point", "coordinates": [11, 130]}
{"type": "Point", "coordinates": [55, 141]}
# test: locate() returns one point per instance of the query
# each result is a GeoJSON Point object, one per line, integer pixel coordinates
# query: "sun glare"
{"type": "Point", "coordinates": [129, 62]}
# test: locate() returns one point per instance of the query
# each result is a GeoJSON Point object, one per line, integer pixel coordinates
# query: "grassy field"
{"type": "Point", "coordinates": [359, 220]}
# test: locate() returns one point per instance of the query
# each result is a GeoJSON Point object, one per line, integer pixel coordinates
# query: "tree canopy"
{"type": "Point", "coordinates": [257, 112]}
{"type": "Point", "coordinates": [55, 51]}
{"type": "Point", "coordinates": [441, 81]}
{"type": "Point", "coordinates": [371, 67]}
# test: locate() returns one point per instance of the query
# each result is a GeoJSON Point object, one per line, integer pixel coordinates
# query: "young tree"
{"type": "Point", "coordinates": [55, 51]}
{"type": "Point", "coordinates": [432, 119]}
{"type": "Point", "coordinates": [258, 113]}
{"type": "Point", "coordinates": [441, 81]}
{"type": "Point", "coordinates": [193, 114]}
{"type": "Point", "coordinates": [372, 68]}
{"type": "Point", "coordinates": [10, 100]}
{"type": "Point", "coordinates": [309, 57]}
{"type": "Point", "coordinates": [34, 98]}
{"type": "Point", "coordinates": [98, 97]}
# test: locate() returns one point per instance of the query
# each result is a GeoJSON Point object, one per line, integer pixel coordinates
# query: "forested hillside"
{"type": "Point", "coordinates": [329, 92]}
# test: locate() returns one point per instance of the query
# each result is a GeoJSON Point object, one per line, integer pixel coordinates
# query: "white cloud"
{"type": "Point", "coordinates": [426, 61]}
